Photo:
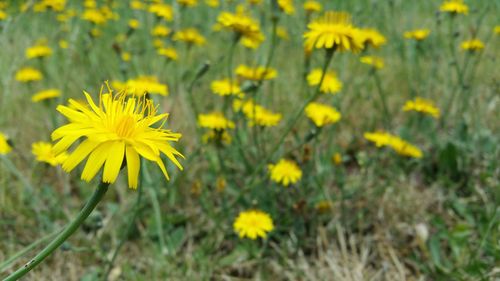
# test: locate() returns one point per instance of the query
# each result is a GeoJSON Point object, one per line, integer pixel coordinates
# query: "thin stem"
{"type": "Point", "coordinates": [387, 115]}
{"type": "Point", "coordinates": [17, 173]}
{"type": "Point", "coordinates": [96, 197]}
{"type": "Point", "coordinates": [158, 219]}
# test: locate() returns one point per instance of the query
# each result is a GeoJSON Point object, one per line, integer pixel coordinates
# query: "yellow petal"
{"type": "Point", "coordinates": [133, 166]}
{"type": "Point", "coordinates": [96, 160]}
{"type": "Point", "coordinates": [78, 155]}
{"type": "Point", "coordinates": [114, 162]}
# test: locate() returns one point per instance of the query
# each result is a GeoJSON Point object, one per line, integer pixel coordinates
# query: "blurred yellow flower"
{"type": "Point", "coordinates": [28, 74]}
{"type": "Point", "coordinates": [422, 105]}
{"type": "Point", "coordinates": [371, 37]}
{"type": "Point", "coordinates": [225, 87]}
{"type": "Point", "coordinates": [142, 85]}
{"type": "Point", "coordinates": [254, 2]}
{"type": "Point", "coordinates": [190, 36]}
{"type": "Point", "coordinates": [256, 73]}
{"type": "Point", "coordinates": [63, 44]}
{"type": "Point", "coordinates": [126, 56]}
{"type": "Point", "coordinates": [212, 3]}
{"type": "Point", "coordinates": [95, 32]}
{"type": "Point", "coordinates": [253, 224]}
{"type": "Point", "coordinates": [187, 3]}
{"type": "Point", "coordinates": [285, 172]}
{"type": "Point", "coordinates": [282, 33]}
{"type": "Point", "coordinates": [240, 23]}
{"type": "Point", "coordinates": [257, 114]}
{"type": "Point", "coordinates": [3, 15]}
{"type": "Point", "coordinates": [287, 6]}
{"type": "Point", "coordinates": [322, 114]}
{"type": "Point", "coordinates": [116, 130]}
{"type": "Point", "coordinates": [496, 29]}
{"type": "Point", "coordinates": [331, 84]}
{"type": "Point", "coordinates": [374, 61]}
{"type": "Point", "coordinates": [137, 5]}
{"type": "Point", "coordinates": [333, 31]}
{"type": "Point", "coordinates": [311, 6]}
{"type": "Point", "coordinates": [94, 16]}
{"type": "Point", "coordinates": [161, 10]}
{"type": "Point", "coordinates": [46, 95]}
{"type": "Point", "coordinates": [38, 51]}
{"type": "Point", "coordinates": [44, 152]}
{"type": "Point", "coordinates": [472, 45]}
{"type": "Point", "coordinates": [337, 158]}
{"type": "Point", "coordinates": [66, 15]}
{"type": "Point", "coordinates": [169, 53]}
{"type": "Point", "coordinates": [397, 144]}
{"type": "Point", "coordinates": [4, 145]}
{"type": "Point", "coordinates": [253, 42]}
{"type": "Point", "coordinates": [134, 23]}
{"type": "Point", "coordinates": [454, 7]}
{"type": "Point", "coordinates": [160, 31]}
{"type": "Point", "coordinates": [215, 121]}
{"type": "Point", "coordinates": [417, 34]}
{"type": "Point", "coordinates": [55, 5]}
{"type": "Point", "coordinates": [217, 137]}
{"type": "Point", "coordinates": [324, 206]}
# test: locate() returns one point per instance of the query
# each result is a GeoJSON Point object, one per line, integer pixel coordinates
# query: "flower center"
{"type": "Point", "coordinates": [125, 127]}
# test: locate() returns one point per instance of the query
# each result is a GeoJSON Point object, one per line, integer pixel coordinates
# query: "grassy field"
{"type": "Point", "coordinates": [400, 180]}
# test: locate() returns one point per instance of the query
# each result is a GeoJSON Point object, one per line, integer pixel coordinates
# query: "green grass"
{"type": "Point", "coordinates": [182, 229]}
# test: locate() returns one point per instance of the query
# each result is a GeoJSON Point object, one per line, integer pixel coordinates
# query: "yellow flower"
{"type": "Point", "coordinates": [142, 85]}
{"type": "Point", "coordinates": [337, 158]}
{"type": "Point", "coordinates": [217, 137]}
{"type": "Point", "coordinates": [133, 23]}
{"type": "Point", "coordinates": [322, 114]}
{"type": "Point", "coordinates": [397, 144]}
{"type": "Point", "coordinates": [240, 23]}
{"type": "Point", "coordinates": [333, 31]}
{"type": "Point", "coordinates": [187, 3]}
{"type": "Point", "coordinates": [257, 114]}
{"type": "Point", "coordinates": [95, 32]}
{"type": "Point", "coordinates": [38, 51]}
{"type": "Point", "coordinates": [212, 3]}
{"type": "Point", "coordinates": [117, 131]}
{"type": "Point", "coordinates": [282, 33]}
{"type": "Point", "coordinates": [311, 6]}
{"type": "Point", "coordinates": [4, 145]}
{"type": "Point", "coordinates": [45, 95]}
{"type": "Point", "coordinates": [215, 121]}
{"type": "Point", "coordinates": [161, 10]}
{"type": "Point", "coordinates": [287, 6]}
{"type": "Point", "coordinates": [253, 224]}
{"type": "Point", "coordinates": [254, 2]}
{"type": "Point", "coordinates": [496, 29]}
{"type": "Point", "coordinates": [371, 37]}
{"type": "Point", "coordinates": [55, 5]}
{"type": "Point", "coordinates": [28, 74]}
{"type": "Point", "coordinates": [256, 73]}
{"type": "Point", "coordinates": [417, 34]}
{"type": "Point", "coordinates": [63, 44]}
{"type": "Point", "coordinates": [160, 31]}
{"type": "Point", "coordinates": [94, 16]}
{"type": "Point", "coordinates": [169, 53]}
{"type": "Point", "coordinates": [331, 84]}
{"type": "Point", "coordinates": [324, 206]}
{"type": "Point", "coordinates": [454, 7]}
{"type": "Point", "coordinates": [472, 45]}
{"type": "Point", "coordinates": [374, 61]}
{"type": "Point", "coordinates": [67, 15]}
{"type": "Point", "coordinates": [191, 36]}
{"type": "Point", "coordinates": [285, 172]}
{"type": "Point", "coordinates": [224, 87]}
{"type": "Point", "coordinates": [253, 42]}
{"type": "Point", "coordinates": [44, 152]}
{"type": "Point", "coordinates": [137, 5]}
{"type": "Point", "coordinates": [423, 106]}
{"type": "Point", "coordinates": [126, 56]}
{"type": "Point", "coordinates": [3, 15]}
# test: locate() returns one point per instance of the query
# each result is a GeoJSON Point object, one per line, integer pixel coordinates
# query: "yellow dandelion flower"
{"type": "Point", "coordinates": [3, 15]}
{"type": "Point", "coordinates": [158, 43]}
{"type": "Point", "coordinates": [285, 172]}
{"type": "Point", "coordinates": [472, 45]}
{"type": "Point", "coordinates": [254, 2]}
{"type": "Point", "coordinates": [191, 36]}
{"type": "Point", "coordinates": [396, 143]}
{"type": "Point", "coordinates": [28, 74]}
{"type": "Point", "coordinates": [212, 3]}
{"type": "Point", "coordinates": [134, 23]}
{"type": "Point", "coordinates": [240, 23]}
{"type": "Point", "coordinates": [169, 53]}
{"type": "Point", "coordinates": [423, 106]}
{"type": "Point", "coordinates": [324, 206]}
{"type": "Point", "coordinates": [256, 73]}
{"type": "Point", "coordinates": [253, 224]}
{"type": "Point", "coordinates": [95, 32]}
{"type": "Point", "coordinates": [417, 34]}
{"type": "Point", "coordinates": [322, 114]}
{"type": "Point", "coordinates": [215, 121]}
{"type": "Point", "coordinates": [137, 5]}
{"type": "Point", "coordinates": [371, 37]}
{"type": "Point", "coordinates": [38, 51]}
{"type": "Point", "coordinates": [286, 6]}
{"type": "Point", "coordinates": [94, 16]}
{"type": "Point", "coordinates": [188, 3]}
{"type": "Point", "coordinates": [142, 85]}
{"type": "Point", "coordinates": [126, 56]}
{"type": "Point", "coordinates": [5, 147]}
{"type": "Point", "coordinates": [161, 10]}
{"type": "Point", "coordinates": [63, 44]}
{"type": "Point", "coordinates": [217, 136]}
{"type": "Point", "coordinates": [46, 95]}
{"type": "Point", "coordinates": [331, 84]}
{"type": "Point", "coordinates": [160, 31]}
{"type": "Point", "coordinates": [337, 158]}
{"type": "Point", "coordinates": [44, 152]}
{"type": "Point", "coordinates": [454, 7]}
{"type": "Point", "coordinates": [282, 33]}
{"type": "Point", "coordinates": [333, 31]}
{"type": "Point", "coordinates": [225, 87]}
{"type": "Point", "coordinates": [54, 5]}
{"type": "Point", "coordinates": [374, 61]}
{"type": "Point", "coordinates": [253, 42]}
{"type": "Point", "coordinates": [257, 114]}
{"type": "Point", "coordinates": [119, 129]}
{"type": "Point", "coordinates": [496, 29]}
{"type": "Point", "coordinates": [311, 6]}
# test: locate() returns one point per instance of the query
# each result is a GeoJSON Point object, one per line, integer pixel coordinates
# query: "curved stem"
{"type": "Point", "coordinates": [63, 236]}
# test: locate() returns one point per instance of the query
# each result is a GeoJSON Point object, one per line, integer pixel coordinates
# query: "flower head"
{"type": "Point", "coordinates": [116, 131]}
{"type": "Point", "coordinates": [286, 6]}
{"type": "Point", "coordinates": [257, 114]}
{"type": "Point", "coordinates": [472, 45]}
{"type": "Point", "coordinates": [169, 53]}
{"type": "Point", "coordinates": [417, 34]}
{"type": "Point", "coordinates": [4, 144]}
{"type": "Point", "coordinates": [240, 23]}
{"type": "Point", "coordinates": [44, 152]}
{"type": "Point", "coordinates": [191, 36]}
{"type": "Point", "coordinates": [28, 74]}
{"type": "Point", "coordinates": [188, 3]}
{"type": "Point", "coordinates": [142, 85]}
{"type": "Point", "coordinates": [333, 31]}
{"type": "Point", "coordinates": [311, 6]}
{"type": "Point", "coordinates": [331, 84]}
{"type": "Point", "coordinates": [212, 3]}
{"type": "Point", "coordinates": [396, 143]}
{"type": "Point", "coordinates": [38, 51]}
{"type": "Point", "coordinates": [215, 121]}
{"type": "Point", "coordinates": [376, 62]}
{"type": "Point", "coordinates": [423, 106]}
{"type": "Point", "coordinates": [256, 73]}
{"type": "Point", "coordinates": [253, 224]}
{"type": "Point", "coordinates": [160, 31]}
{"type": "Point", "coordinates": [161, 10]}
{"type": "Point", "coordinates": [46, 95]}
{"type": "Point", "coordinates": [371, 37]}
{"type": "Point", "coordinates": [285, 172]}
{"type": "Point", "coordinates": [454, 7]}
{"type": "Point", "coordinates": [134, 23]}
{"type": "Point", "coordinates": [322, 114]}
{"type": "Point", "coordinates": [225, 87]}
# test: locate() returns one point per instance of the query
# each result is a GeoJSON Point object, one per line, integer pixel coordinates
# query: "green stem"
{"type": "Point", "coordinates": [387, 115]}
{"type": "Point", "coordinates": [17, 173]}
{"type": "Point", "coordinates": [96, 197]}
{"type": "Point", "coordinates": [158, 219]}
